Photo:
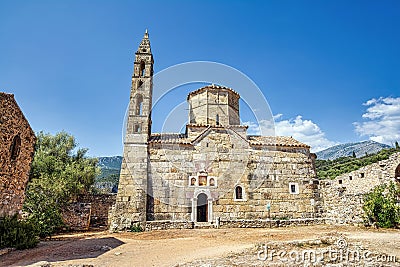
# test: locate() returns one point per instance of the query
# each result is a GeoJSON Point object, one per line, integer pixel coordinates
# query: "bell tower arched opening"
{"type": "Point", "coordinates": [142, 71]}
{"type": "Point", "coordinates": [138, 104]}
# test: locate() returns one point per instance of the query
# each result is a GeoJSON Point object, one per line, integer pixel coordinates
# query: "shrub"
{"type": "Point", "coordinates": [380, 206]}
{"type": "Point", "coordinates": [17, 234]}
{"type": "Point", "coordinates": [44, 210]}
{"type": "Point", "coordinates": [136, 228]}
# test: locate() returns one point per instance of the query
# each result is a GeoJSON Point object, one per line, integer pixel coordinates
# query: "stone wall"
{"type": "Point", "coordinates": [167, 224]}
{"type": "Point", "coordinates": [337, 201]}
{"type": "Point", "coordinates": [131, 199]}
{"type": "Point", "coordinates": [17, 142]}
{"type": "Point", "coordinates": [214, 105]}
{"type": "Point", "coordinates": [89, 211]}
{"type": "Point", "coordinates": [264, 174]}
{"type": "Point", "coordinates": [344, 196]}
{"type": "Point", "coordinates": [77, 216]}
{"type": "Point", "coordinates": [100, 207]}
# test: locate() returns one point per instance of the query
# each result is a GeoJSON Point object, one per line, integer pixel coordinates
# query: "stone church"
{"type": "Point", "coordinates": [214, 171]}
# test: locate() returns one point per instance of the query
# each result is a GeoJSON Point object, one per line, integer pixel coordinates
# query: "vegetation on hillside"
{"type": "Point", "coordinates": [330, 169]}
{"type": "Point", "coordinates": [380, 206]}
{"type": "Point", "coordinates": [107, 183]}
{"type": "Point", "coordinates": [107, 180]}
{"type": "Point", "coordinates": [60, 171]}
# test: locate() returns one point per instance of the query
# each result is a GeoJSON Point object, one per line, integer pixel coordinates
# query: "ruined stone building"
{"type": "Point", "coordinates": [343, 197]}
{"type": "Point", "coordinates": [16, 154]}
{"type": "Point", "coordinates": [213, 171]}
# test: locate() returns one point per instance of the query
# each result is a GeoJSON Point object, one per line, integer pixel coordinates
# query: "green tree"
{"type": "Point", "coordinates": [396, 145]}
{"type": "Point", "coordinates": [354, 154]}
{"type": "Point", "coordinates": [60, 171]}
{"type": "Point", "coordinates": [380, 206]}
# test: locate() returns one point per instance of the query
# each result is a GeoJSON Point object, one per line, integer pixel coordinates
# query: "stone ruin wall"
{"type": "Point", "coordinates": [14, 173]}
{"type": "Point", "coordinates": [344, 196]}
{"type": "Point", "coordinates": [77, 216]}
{"type": "Point", "coordinates": [100, 207]}
{"type": "Point", "coordinates": [89, 211]}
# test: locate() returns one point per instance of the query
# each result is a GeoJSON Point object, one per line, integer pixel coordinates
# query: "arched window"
{"type": "Point", "coordinates": [217, 119]}
{"type": "Point", "coordinates": [238, 192]}
{"type": "Point", "coordinates": [138, 105]}
{"type": "Point", "coordinates": [193, 181]}
{"type": "Point", "coordinates": [142, 71]}
{"type": "Point", "coordinates": [139, 84]}
{"type": "Point", "coordinates": [15, 147]}
{"type": "Point", "coordinates": [212, 182]}
{"type": "Point", "coordinates": [397, 172]}
{"type": "Point", "coordinates": [137, 128]}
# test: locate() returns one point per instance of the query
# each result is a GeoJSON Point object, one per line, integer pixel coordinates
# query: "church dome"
{"type": "Point", "coordinates": [214, 105]}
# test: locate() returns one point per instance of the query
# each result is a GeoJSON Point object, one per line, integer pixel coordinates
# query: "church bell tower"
{"type": "Point", "coordinates": [130, 206]}
{"type": "Point", "coordinates": [139, 122]}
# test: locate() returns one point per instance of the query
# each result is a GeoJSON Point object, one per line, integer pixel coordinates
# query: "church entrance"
{"type": "Point", "coordinates": [202, 208]}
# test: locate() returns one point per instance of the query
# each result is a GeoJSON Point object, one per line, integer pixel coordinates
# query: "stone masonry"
{"type": "Point", "coordinates": [16, 154]}
{"type": "Point", "coordinates": [344, 196]}
{"type": "Point", "coordinates": [216, 174]}
{"type": "Point", "coordinates": [214, 171]}
{"type": "Point", "coordinates": [100, 205]}
{"type": "Point", "coordinates": [89, 211]}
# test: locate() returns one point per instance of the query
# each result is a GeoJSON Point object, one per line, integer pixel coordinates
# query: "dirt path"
{"type": "Point", "coordinates": [174, 247]}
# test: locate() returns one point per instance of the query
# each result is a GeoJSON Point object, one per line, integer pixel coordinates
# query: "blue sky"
{"type": "Point", "coordinates": [330, 70]}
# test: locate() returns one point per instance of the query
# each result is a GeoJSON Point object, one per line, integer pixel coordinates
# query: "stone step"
{"type": "Point", "coordinates": [203, 225]}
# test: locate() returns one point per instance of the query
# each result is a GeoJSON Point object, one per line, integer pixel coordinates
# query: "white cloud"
{"type": "Point", "coordinates": [381, 120]}
{"type": "Point", "coordinates": [305, 131]}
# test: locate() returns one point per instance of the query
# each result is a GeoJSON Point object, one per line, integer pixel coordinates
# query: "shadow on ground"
{"type": "Point", "coordinates": [52, 251]}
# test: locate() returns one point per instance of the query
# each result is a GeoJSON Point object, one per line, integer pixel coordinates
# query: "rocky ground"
{"type": "Point", "coordinates": [293, 246]}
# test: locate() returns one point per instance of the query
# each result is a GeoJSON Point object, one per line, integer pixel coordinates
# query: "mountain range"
{"type": "Point", "coordinates": [107, 180]}
{"type": "Point", "coordinates": [110, 163]}
{"type": "Point", "coordinates": [345, 150]}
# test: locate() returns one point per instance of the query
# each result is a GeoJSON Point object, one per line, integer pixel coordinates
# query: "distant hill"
{"type": "Point", "coordinates": [346, 150]}
{"type": "Point", "coordinates": [107, 180]}
{"type": "Point", "coordinates": [330, 169]}
{"type": "Point", "coordinates": [110, 162]}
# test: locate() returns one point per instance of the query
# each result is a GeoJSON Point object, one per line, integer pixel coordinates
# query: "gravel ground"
{"type": "Point", "coordinates": [217, 247]}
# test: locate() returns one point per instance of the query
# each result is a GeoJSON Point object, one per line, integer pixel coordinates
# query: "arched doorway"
{"type": "Point", "coordinates": [202, 208]}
